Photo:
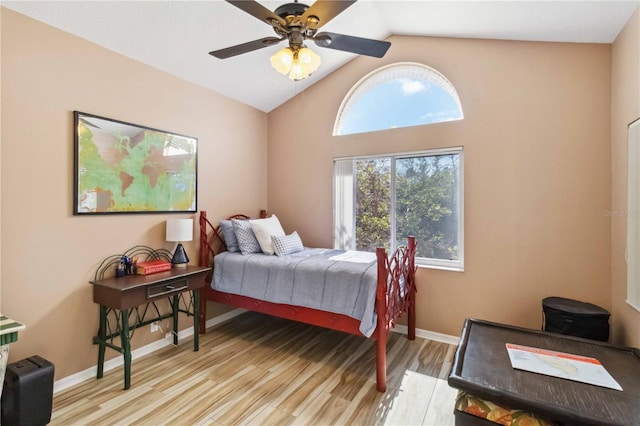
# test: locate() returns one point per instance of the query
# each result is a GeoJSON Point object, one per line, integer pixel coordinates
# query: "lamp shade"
{"type": "Point", "coordinates": [282, 60]}
{"type": "Point", "coordinates": [309, 60]}
{"type": "Point", "coordinates": [299, 62]}
{"type": "Point", "coordinates": [179, 230]}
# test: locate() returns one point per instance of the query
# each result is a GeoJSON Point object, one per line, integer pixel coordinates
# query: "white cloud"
{"type": "Point", "coordinates": [440, 116]}
{"type": "Point", "coordinates": [411, 87]}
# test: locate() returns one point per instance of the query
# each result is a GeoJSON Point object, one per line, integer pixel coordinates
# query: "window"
{"type": "Point", "coordinates": [398, 95]}
{"type": "Point", "coordinates": [380, 201]}
{"type": "Point", "coordinates": [633, 216]}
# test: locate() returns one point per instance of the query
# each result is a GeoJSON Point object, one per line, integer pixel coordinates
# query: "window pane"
{"type": "Point", "coordinates": [398, 95]}
{"type": "Point", "coordinates": [633, 216]}
{"type": "Point", "coordinates": [343, 205]}
{"type": "Point", "coordinates": [427, 204]}
{"type": "Point", "coordinates": [373, 204]}
{"type": "Point", "coordinates": [391, 198]}
{"type": "Point", "coordinates": [400, 103]}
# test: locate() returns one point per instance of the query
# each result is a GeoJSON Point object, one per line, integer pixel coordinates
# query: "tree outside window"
{"type": "Point", "coordinates": [398, 196]}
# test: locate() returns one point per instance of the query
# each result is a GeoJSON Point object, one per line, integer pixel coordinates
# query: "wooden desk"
{"type": "Point", "coordinates": [129, 302]}
{"type": "Point", "coordinates": [482, 367]}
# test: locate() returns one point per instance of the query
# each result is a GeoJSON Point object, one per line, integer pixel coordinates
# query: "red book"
{"type": "Point", "coordinates": [152, 266]}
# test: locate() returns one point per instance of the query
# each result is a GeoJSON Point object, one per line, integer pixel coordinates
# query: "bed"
{"type": "Point", "coordinates": [392, 278]}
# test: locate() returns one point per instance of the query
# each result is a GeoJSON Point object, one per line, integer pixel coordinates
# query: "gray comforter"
{"type": "Point", "coordinates": [338, 281]}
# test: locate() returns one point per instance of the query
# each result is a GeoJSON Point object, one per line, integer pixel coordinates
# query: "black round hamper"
{"type": "Point", "coordinates": [574, 318]}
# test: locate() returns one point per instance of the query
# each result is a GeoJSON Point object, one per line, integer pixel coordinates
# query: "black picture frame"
{"type": "Point", "coordinates": [122, 168]}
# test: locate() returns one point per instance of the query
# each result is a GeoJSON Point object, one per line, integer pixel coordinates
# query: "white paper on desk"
{"type": "Point", "coordinates": [559, 364]}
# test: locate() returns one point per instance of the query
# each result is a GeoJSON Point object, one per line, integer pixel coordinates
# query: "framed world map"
{"type": "Point", "coordinates": [121, 167]}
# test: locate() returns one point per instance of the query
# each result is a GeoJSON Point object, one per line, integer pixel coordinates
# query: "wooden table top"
{"type": "Point", "coordinates": [482, 367]}
{"type": "Point", "coordinates": [130, 282]}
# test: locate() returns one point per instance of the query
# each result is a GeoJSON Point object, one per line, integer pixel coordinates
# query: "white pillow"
{"type": "Point", "coordinates": [264, 229]}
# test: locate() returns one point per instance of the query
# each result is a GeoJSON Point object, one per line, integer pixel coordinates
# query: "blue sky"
{"type": "Point", "coordinates": [400, 103]}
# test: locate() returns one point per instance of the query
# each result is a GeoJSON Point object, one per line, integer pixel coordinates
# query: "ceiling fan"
{"type": "Point", "coordinates": [296, 23]}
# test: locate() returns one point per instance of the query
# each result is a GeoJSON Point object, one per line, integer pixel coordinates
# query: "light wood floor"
{"type": "Point", "coordinates": [256, 369]}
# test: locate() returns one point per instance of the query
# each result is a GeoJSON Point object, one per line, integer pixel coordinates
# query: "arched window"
{"type": "Point", "coordinates": [398, 95]}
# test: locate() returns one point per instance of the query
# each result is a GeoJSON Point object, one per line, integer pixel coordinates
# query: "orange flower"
{"type": "Point", "coordinates": [500, 415]}
{"type": "Point", "coordinates": [528, 420]}
{"type": "Point", "coordinates": [476, 411]}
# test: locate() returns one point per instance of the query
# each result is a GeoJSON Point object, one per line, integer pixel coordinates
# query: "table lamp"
{"type": "Point", "coordinates": [179, 230]}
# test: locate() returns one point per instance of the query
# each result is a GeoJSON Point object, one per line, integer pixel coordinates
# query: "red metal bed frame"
{"type": "Point", "coordinates": [391, 299]}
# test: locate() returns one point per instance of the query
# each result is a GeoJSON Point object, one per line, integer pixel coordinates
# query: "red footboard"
{"type": "Point", "coordinates": [395, 294]}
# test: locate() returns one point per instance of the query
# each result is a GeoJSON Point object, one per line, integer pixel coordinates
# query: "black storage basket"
{"type": "Point", "coordinates": [574, 318]}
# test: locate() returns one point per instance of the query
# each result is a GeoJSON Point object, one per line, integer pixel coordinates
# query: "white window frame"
{"type": "Point", "coordinates": [344, 209]}
{"type": "Point", "coordinates": [633, 215]}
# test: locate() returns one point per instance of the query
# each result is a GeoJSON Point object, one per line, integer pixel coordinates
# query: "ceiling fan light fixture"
{"type": "Point", "coordinates": [296, 22]}
{"type": "Point", "coordinates": [282, 60]}
{"type": "Point", "coordinates": [297, 72]}
{"type": "Point", "coordinates": [309, 59]}
{"type": "Point", "coordinates": [299, 63]}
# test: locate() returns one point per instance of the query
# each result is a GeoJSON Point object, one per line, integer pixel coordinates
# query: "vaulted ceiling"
{"type": "Point", "coordinates": [176, 36]}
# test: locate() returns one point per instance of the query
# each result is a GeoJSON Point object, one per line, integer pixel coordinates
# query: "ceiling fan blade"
{"type": "Point", "coordinates": [325, 10]}
{"type": "Point", "coordinates": [245, 47]}
{"type": "Point", "coordinates": [257, 10]}
{"type": "Point", "coordinates": [361, 46]}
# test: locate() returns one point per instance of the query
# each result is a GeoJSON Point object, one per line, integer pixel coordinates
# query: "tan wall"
{"type": "Point", "coordinates": [537, 172]}
{"type": "Point", "coordinates": [625, 108]}
{"type": "Point", "coordinates": [48, 254]}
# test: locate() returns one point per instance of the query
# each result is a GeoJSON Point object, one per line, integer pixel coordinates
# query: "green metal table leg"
{"type": "Point", "coordinates": [196, 319]}
{"type": "Point", "coordinates": [4, 357]}
{"type": "Point", "coordinates": [102, 337]}
{"type": "Point", "coordinates": [126, 348]}
{"type": "Point", "coordinates": [174, 306]}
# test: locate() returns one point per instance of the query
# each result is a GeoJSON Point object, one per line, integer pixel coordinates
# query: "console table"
{"type": "Point", "coordinates": [8, 334]}
{"type": "Point", "coordinates": [130, 302]}
{"type": "Point", "coordinates": [482, 368]}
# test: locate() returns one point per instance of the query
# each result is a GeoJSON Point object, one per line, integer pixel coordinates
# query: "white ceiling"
{"type": "Point", "coordinates": [176, 36]}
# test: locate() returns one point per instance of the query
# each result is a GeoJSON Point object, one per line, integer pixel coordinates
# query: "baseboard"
{"type": "Point", "coordinates": [90, 373]}
{"type": "Point", "coordinates": [426, 334]}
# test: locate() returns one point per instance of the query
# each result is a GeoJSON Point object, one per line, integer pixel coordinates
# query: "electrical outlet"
{"type": "Point", "coordinates": [155, 327]}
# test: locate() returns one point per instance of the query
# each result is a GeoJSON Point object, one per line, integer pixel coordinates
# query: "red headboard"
{"type": "Point", "coordinates": [211, 240]}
